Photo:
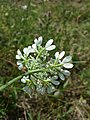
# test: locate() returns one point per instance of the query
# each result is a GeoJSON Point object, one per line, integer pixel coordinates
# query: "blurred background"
{"type": "Point", "coordinates": [68, 23]}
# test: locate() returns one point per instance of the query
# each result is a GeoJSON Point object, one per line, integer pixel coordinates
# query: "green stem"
{"type": "Point", "coordinates": [17, 78]}
{"type": "Point", "coordinates": [10, 82]}
{"type": "Point", "coordinates": [40, 53]}
{"type": "Point", "coordinates": [27, 73]}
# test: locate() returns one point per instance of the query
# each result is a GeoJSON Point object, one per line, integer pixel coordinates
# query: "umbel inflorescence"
{"type": "Point", "coordinates": [44, 72]}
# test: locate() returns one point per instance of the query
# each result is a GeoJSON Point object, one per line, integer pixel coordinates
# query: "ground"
{"type": "Point", "coordinates": [68, 23]}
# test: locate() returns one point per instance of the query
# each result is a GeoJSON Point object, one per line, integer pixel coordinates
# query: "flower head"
{"type": "Point", "coordinates": [51, 69]}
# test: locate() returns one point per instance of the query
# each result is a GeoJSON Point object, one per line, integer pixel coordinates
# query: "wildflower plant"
{"type": "Point", "coordinates": [43, 73]}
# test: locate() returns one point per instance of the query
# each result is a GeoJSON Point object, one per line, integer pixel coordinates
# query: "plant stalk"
{"type": "Point", "coordinates": [27, 73]}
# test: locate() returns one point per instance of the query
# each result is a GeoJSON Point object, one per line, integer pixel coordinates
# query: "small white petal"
{"type": "Point", "coordinates": [19, 52]}
{"type": "Point", "coordinates": [66, 72]}
{"type": "Point", "coordinates": [55, 82]}
{"type": "Point", "coordinates": [40, 40]}
{"type": "Point", "coordinates": [18, 57]}
{"type": "Point", "coordinates": [49, 43]}
{"type": "Point", "coordinates": [61, 54]}
{"type": "Point", "coordinates": [61, 76]}
{"type": "Point", "coordinates": [35, 41]}
{"type": "Point", "coordinates": [66, 59]}
{"type": "Point", "coordinates": [20, 66]}
{"type": "Point", "coordinates": [29, 47]}
{"type": "Point", "coordinates": [31, 50]}
{"type": "Point", "coordinates": [57, 55]}
{"type": "Point", "coordinates": [54, 77]}
{"type": "Point", "coordinates": [68, 65]}
{"type": "Point", "coordinates": [51, 47]}
{"type": "Point", "coordinates": [34, 46]}
{"type": "Point", "coordinates": [25, 50]}
{"type": "Point", "coordinates": [59, 61]}
{"type": "Point", "coordinates": [24, 79]}
{"type": "Point", "coordinates": [19, 62]}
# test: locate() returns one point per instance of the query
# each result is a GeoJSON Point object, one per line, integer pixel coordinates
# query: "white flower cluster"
{"type": "Point", "coordinates": [32, 49]}
{"type": "Point", "coordinates": [65, 63]}
{"type": "Point", "coordinates": [48, 71]}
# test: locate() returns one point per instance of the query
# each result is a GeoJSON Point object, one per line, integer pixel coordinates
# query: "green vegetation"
{"type": "Point", "coordinates": [68, 23]}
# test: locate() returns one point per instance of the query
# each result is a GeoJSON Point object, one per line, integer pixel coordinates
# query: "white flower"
{"type": "Point", "coordinates": [59, 56]}
{"type": "Point", "coordinates": [20, 65]}
{"type": "Point", "coordinates": [49, 45]}
{"type": "Point", "coordinates": [19, 54]}
{"type": "Point", "coordinates": [28, 50]}
{"type": "Point", "coordinates": [34, 46]}
{"type": "Point", "coordinates": [38, 41]}
{"type": "Point", "coordinates": [25, 79]}
{"type": "Point", "coordinates": [65, 61]}
{"type": "Point", "coordinates": [24, 7]}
